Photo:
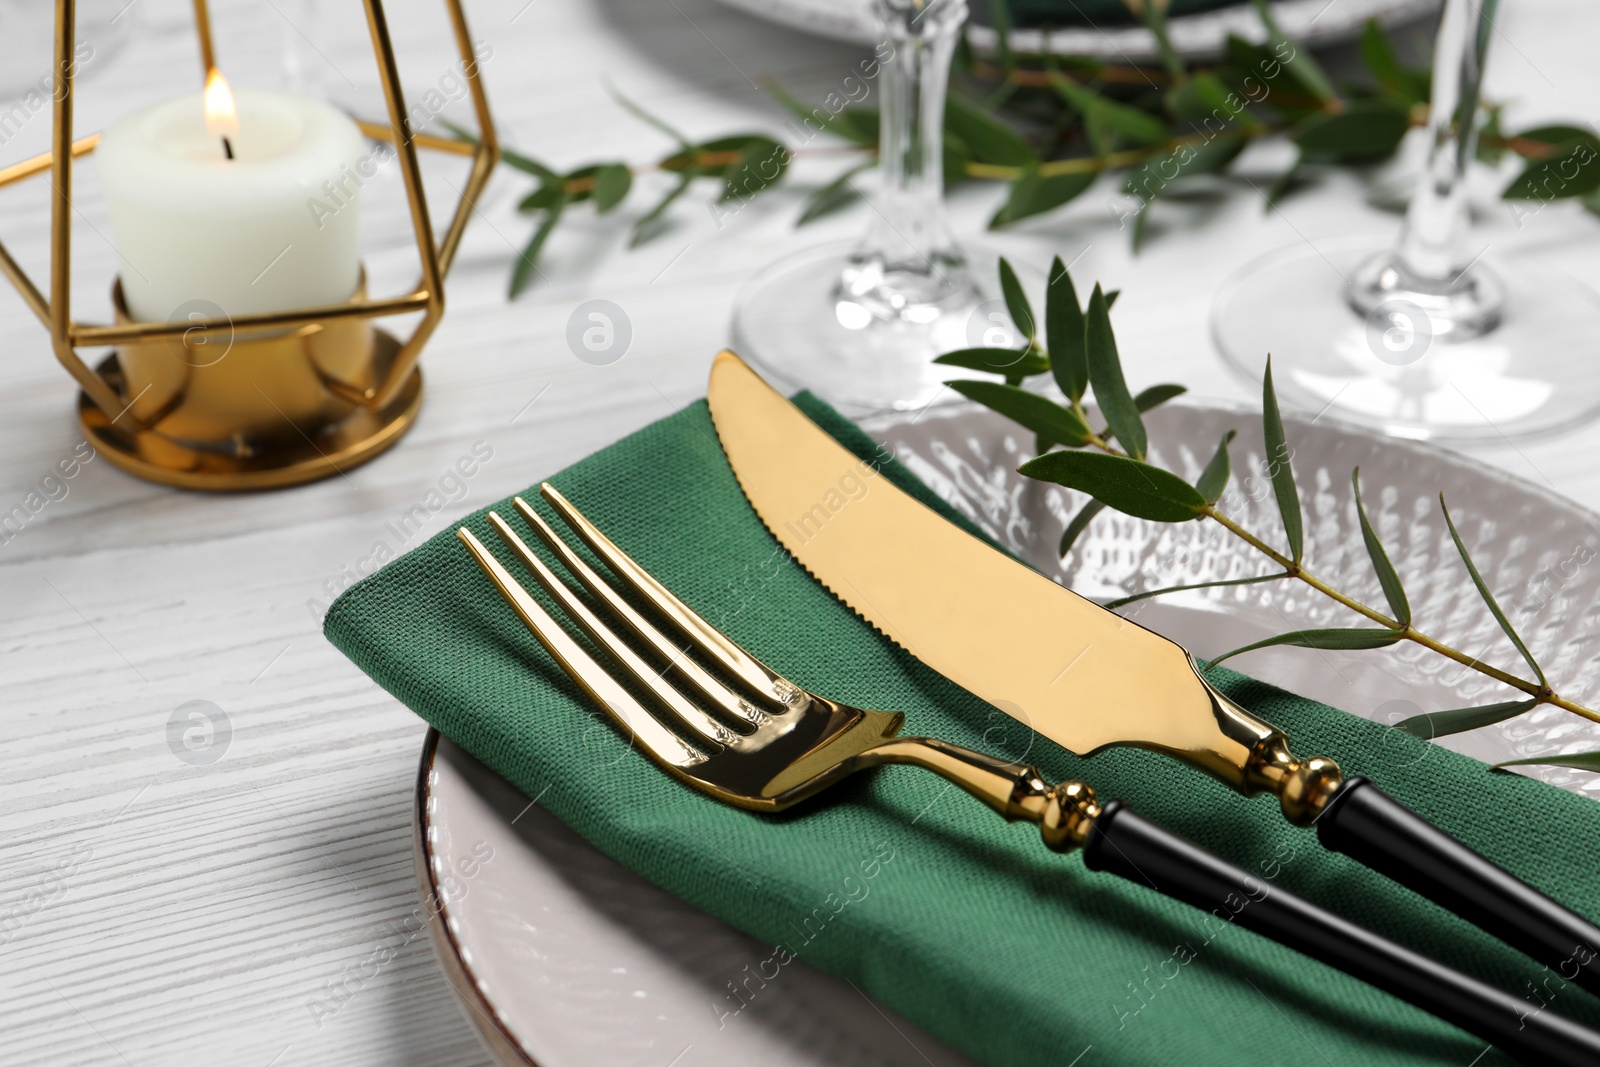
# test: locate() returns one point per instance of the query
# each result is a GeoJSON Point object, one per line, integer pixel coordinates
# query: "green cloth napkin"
{"type": "Point", "coordinates": [905, 886]}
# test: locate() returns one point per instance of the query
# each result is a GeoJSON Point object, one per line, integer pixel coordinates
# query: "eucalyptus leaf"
{"type": "Point", "coordinates": [1129, 485]}
{"type": "Point", "coordinates": [1393, 591]}
{"type": "Point", "coordinates": [989, 138]}
{"type": "Point", "coordinates": [1156, 395]}
{"type": "Point", "coordinates": [1219, 583]}
{"type": "Point", "coordinates": [1023, 362]}
{"type": "Point", "coordinates": [1017, 305]}
{"type": "Point", "coordinates": [1030, 410]}
{"type": "Point", "coordinates": [1337, 639]}
{"type": "Point", "coordinates": [1214, 479]}
{"type": "Point", "coordinates": [762, 164]}
{"type": "Point", "coordinates": [1458, 720]}
{"type": "Point", "coordinates": [833, 196]}
{"type": "Point", "coordinates": [1080, 522]}
{"type": "Point", "coordinates": [1393, 77]}
{"type": "Point", "coordinates": [1572, 169]}
{"type": "Point", "coordinates": [1365, 130]}
{"type": "Point", "coordinates": [645, 116]}
{"type": "Point", "coordinates": [528, 260]}
{"type": "Point", "coordinates": [1284, 184]}
{"type": "Point", "coordinates": [1064, 333]}
{"type": "Point", "coordinates": [1109, 121]}
{"type": "Point", "coordinates": [1488, 597]}
{"type": "Point", "coordinates": [1032, 194]}
{"type": "Point", "coordinates": [542, 198]}
{"type": "Point", "coordinates": [1105, 376]}
{"type": "Point", "coordinates": [611, 185]}
{"type": "Point", "coordinates": [1306, 70]}
{"type": "Point", "coordinates": [1580, 761]}
{"type": "Point", "coordinates": [1278, 467]}
{"type": "Point", "coordinates": [643, 229]}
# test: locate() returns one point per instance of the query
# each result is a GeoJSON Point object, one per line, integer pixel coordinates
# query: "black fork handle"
{"type": "Point", "coordinates": [1142, 852]}
{"type": "Point", "coordinates": [1377, 831]}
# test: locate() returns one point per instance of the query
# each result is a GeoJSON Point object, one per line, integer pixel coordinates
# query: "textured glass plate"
{"type": "Point", "coordinates": [564, 958]}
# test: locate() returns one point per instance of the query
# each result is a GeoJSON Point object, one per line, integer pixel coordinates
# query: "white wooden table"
{"type": "Point", "coordinates": [158, 910]}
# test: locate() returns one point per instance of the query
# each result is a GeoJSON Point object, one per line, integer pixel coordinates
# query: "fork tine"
{"type": "Point", "coordinates": [729, 701]}
{"type": "Point", "coordinates": [759, 679]}
{"type": "Point", "coordinates": [705, 728]}
{"type": "Point", "coordinates": [659, 742]}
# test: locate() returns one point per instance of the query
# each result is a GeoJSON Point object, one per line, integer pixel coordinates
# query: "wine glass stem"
{"type": "Point", "coordinates": [1433, 241]}
{"type": "Point", "coordinates": [909, 233]}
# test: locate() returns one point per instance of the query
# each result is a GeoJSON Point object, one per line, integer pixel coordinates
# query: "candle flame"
{"type": "Point", "coordinates": [222, 119]}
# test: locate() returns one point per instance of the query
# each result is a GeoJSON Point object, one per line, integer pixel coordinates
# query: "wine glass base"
{"type": "Point", "coordinates": [795, 324]}
{"type": "Point", "coordinates": [1401, 370]}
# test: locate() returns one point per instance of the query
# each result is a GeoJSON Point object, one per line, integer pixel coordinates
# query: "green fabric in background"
{"type": "Point", "coordinates": [966, 925]}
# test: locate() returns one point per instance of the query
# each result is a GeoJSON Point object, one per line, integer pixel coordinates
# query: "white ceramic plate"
{"type": "Point", "coordinates": [1198, 36]}
{"type": "Point", "coordinates": [565, 959]}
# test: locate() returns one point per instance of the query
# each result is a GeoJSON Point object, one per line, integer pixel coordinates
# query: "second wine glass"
{"type": "Point", "coordinates": [859, 325]}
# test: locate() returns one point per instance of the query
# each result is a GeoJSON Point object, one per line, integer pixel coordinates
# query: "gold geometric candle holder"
{"type": "Point", "coordinates": [294, 395]}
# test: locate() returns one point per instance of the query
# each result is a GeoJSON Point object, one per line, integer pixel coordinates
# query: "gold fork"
{"type": "Point", "coordinates": [730, 726]}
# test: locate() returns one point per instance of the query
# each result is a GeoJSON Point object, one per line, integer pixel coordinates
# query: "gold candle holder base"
{"type": "Point", "coordinates": [258, 410]}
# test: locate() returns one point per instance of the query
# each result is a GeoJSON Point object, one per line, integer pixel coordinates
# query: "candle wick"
{"type": "Point", "coordinates": [227, 148]}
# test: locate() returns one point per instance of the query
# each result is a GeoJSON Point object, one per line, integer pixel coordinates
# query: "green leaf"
{"type": "Point", "coordinates": [1337, 639]}
{"type": "Point", "coordinates": [1392, 76]}
{"type": "Point", "coordinates": [1214, 479]}
{"type": "Point", "coordinates": [643, 229]}
{"type": "Point", "coordinates": [1063, 328]}
{"type": "Point", "coordinates": [1016, 301]}
{"type": "Point", "coordinates": [956, 157]}
{"type": "Point", "coordinates": [990, 139]}
{"type": "Point", "coordinates": [833, 196]}
{"type": "Point", "coordinates": [1129, 485]}
{"type": "Point", "coordinates": [542, 198]}
{"type": "Point", "coordinates": [1458, 720]}
{"type": "Point", "coordinates": [1393, 591]}
{"type": "Point", "coordinates": [1029, 410]}
{"type": "Point", "coordinates": [1283, 184]}
{"type": "Point", "coordinates": [1365, 130]}
{"type": "Point", "coordinates": [1305, 69]}
{"type": "Point", "coordinates": [1488, 597]}
{"type": "Point", "coordinates": [640, 113]}
{"type": "Point", "coordinates": [1080, 522]}
{"type": "Point", "coordinates": [1022, 362]}
{"type": "Point", "coordinates": [1580, 761]}
{"type": "Point", "coordinates": [1182, 162]}
{"type": "Point", "coordinates": [1572, 170]}
{"type": "Point", "coordinates": [1156, 395]}
{"type": "Point", "coordinates": [611, 184]}
{"type": "Point", "coordinates": [1105, 376]}
{"type": "Point", "coordinates": [1034, 195]}
{"type": "Point", "coordinates": [762, 164]}
{"type": "Point", "coordinates": [509, 157]}
{"type": "Point", "coordinates": [528, 261]}
{"type": "Point", "coordinates": [1109, 121]}
{"type": "Point", "coordinates": [1278, 467]}
{"type": "Point", "coordinates": [855, 124]}
{"type": "Point", "coordinates": [1148, 593]}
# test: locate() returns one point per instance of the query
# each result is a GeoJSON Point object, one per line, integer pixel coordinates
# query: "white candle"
{"type": "Point", "coordinates": [272, 229]}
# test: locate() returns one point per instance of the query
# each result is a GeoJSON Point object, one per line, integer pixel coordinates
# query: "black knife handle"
{"type": "Point", "coordinates": [1142, 852]}
{"type": "Point", "coordinates": [1379, 832]}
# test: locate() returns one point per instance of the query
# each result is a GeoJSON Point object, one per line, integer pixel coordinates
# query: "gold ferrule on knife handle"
{"type": "Point", "coordinates": [1258, 760]}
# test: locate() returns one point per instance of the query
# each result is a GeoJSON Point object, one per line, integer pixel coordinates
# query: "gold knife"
{"type": "Point", "coordinates": [1081, 675]}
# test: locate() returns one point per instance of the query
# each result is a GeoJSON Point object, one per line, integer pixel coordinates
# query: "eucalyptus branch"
{"type": "Point", "coordinates": [1078, 350]}
{"type": "Point", "coordinates": [1048, 128]}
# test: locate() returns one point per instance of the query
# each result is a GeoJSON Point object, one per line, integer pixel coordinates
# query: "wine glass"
{"type": "Point", "coordinates": [1427, 338]}
{"type": "Point", "coordinates": [859, 325]}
